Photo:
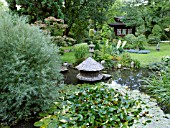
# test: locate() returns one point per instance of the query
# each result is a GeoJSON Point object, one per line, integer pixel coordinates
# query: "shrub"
{"type": "Point", "coordinates": [141, 40]}
{"type": "Point", "coordinates": [152, 39]}
{"type": "Point", "coordinates": [81, 52]}
{"type": "Point", "coordinates": [159, 88]}
{"type": "Point", "coordinates": [97, 106]}
{"type": "Point", "coordinates": [155, 36]}
{"type": "Point", "coordinates": [130, 38]}
{"type": "Point", "coordinates": [126, 61]}
{"type": "Point", "coordinates": [29, 70]}
{"type": "Point", "coordinates": [160, 66]}
{"type": "Point", "coordinates": [157, 30]}
{"type": "Point", "coordinates": [135, 41]}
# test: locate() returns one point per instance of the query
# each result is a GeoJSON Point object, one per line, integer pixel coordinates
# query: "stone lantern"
{"type": "Point", "coordinates": [91, 48]}
{"type": "Point", "coordinates": [90, 70]}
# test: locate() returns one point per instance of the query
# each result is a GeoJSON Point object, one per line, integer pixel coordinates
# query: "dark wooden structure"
{"type": "Point", "coordinates": [120, 28]}
{"type": "Point", "coordinates": [90, 70]}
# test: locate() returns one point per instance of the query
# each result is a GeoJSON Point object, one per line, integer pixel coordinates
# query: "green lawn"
{"type": "Point", "coordinates": [68, 57]}
{"type": "Point", "coordinates": [153, 56]}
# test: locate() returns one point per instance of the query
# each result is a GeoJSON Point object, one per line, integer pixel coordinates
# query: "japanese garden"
{"type": "Point", "coordinates": [85, 64]}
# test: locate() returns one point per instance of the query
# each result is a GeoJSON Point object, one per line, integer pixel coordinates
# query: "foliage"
{"type": "Point", "coordinates": [154, 12]}
{"type": "Point", "coordinates": [63, 41]}
{"type": "Point", "coordinates": [106, 32]}
{"type": "Point", "coordinates": [140, 41]}
{"type": "Point", "coordinates": [75, 13]}
{"type": "Point", "coordinates": [166, 60]}
{"type": "Point", "coordinates": [115, 10]}
{"type": "Point", "coordinates": [2, 7]}
{"type": "Point", "coordinates": [153, 39]}
{"type": "Point", "coordinates": [105, 53]}
{"type": "Point", "coordinates": [91, 33]}
{"type": "Point", "coordinates": [159, 88]}
{"type": "Point", "coordinates": [134, 42]}
{"type": "Point", "coordinates": [55, 27]}
{"type": "Point", "coordinates": [156, 31]}
{"type": "Point", "coordinates": [151, 115]}
{"type": "Point", "coordinates": [99, 56]}
{"type": "Point", "coordinates": [37, 10]}
{"type": "Point", "coordinates": [160, 66]}
{"type": "Point", "coordinates": [131, 39]}
{"type": "Point", "coordinates": [102, 38]}
{"type": "Point", "coordinates": [126, 61]}
{"type": "Point", "coordinates": [97, 106]}
{"type": "Point", "coordinates": [29, 69]}
{"type": "Point", "coordinates": [155, 36]}
{"type": "Point", "coordinates": [80, 51]}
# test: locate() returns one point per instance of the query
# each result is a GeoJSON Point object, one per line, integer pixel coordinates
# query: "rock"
{"type": "Point", "coordinates": [106, 76]}
{"type": "Point", "coordinates": [63, 69]}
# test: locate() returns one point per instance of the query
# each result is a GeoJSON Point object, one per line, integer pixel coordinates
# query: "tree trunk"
{"type": "Point", "coordinates": [67, 30]}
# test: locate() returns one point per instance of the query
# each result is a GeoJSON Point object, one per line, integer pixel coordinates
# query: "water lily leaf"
{"type": "Point", "coordinates": [39, 124]}
{"type": "Point", "coordinates": [80, 117]}
{"type": "Point", "coordinates": [63, 120]}
{"type": "Point", "coordinates": [53, 124]}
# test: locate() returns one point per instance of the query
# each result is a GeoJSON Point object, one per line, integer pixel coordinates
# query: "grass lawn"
{"type": "Point", "coordinates": [153, 56]}
{"type": "Point", "coordinates": [145, 59]}
{"type": "Point", "coordinates": [68, 57]}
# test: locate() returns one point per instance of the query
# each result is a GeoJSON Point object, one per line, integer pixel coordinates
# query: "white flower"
{"type": "Point", "coordinates": [124, 43]}
{"type": "Point", "coordinates": [118, 44]}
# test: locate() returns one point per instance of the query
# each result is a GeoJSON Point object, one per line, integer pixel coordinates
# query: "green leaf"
{"type": "Point", "coordinates": [53, 124]}
{"type": "Point", "coordinates": [39, 124]}
{"type": "Point", "coordinates": [63, 120]}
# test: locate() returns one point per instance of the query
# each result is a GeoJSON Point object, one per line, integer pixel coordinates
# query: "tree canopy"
{"type": "Point", "coordinates": [148, 14]}
{"type": "Point", "coordinates": [74, 12]}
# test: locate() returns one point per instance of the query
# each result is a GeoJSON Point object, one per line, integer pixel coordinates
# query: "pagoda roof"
{"type": "Point", "coordinates": [90, 65]}
{"type": "Point", "coordinates": [117, 24]}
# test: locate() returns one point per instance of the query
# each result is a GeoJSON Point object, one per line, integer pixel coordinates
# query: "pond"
{"type": "Point", "coordinates": [125, 77]}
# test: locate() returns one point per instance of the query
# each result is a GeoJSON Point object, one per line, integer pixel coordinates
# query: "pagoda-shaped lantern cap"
{"type": "Point", "coordinates": [90, 70]}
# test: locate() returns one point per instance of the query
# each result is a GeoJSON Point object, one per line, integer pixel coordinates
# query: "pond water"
{"type": "Point", "coordinates": [125, 77]}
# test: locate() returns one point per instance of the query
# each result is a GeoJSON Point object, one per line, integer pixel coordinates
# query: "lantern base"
{"type": "Point", "coordinates": [83, 78]}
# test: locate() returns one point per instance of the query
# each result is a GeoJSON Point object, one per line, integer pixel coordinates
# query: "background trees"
{"type": "Point", "coordinates": [76, 13]}
{"type": "Point", "coordinates": [148, 14]}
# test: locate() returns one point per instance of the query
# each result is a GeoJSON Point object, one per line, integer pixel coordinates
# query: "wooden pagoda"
{"type": "Point", "coordinates": [90, 70]}
{"type": "Point", "coordinates": [120, 28]}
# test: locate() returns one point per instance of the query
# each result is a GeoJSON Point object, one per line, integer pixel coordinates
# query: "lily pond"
{"type": "Point", "coordinates": [125, 77]}
{"type": "Point", "coordinates": [133, 79]}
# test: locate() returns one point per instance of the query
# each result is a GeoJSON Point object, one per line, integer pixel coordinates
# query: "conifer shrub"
{"type": "Point", "coordinates": [29, 70]}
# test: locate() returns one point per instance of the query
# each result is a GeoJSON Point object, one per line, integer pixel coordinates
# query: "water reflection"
{"type": "Point", "coordinates": [130, 78]}
{"type": "Point", "coordinates": [125, 77]}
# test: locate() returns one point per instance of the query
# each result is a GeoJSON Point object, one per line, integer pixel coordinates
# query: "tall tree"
{"type": "Point", "coordinates": [148, 14]}
{"type": "Point", "coordinates": [37, 9]}
{"type": "Point", "coordinates": [115, 10]}
{"type": "Point", "coordinates": [75, 12]}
